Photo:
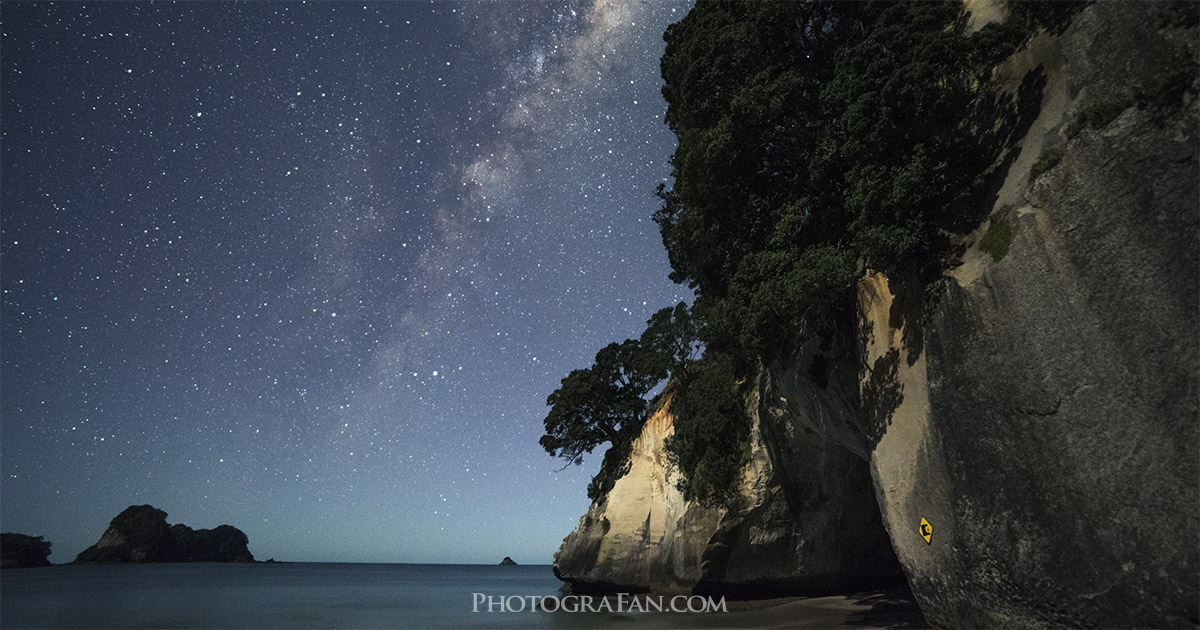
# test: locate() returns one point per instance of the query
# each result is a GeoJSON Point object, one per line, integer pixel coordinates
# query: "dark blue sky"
{"type": "Point", "coordinates": [311, 270]}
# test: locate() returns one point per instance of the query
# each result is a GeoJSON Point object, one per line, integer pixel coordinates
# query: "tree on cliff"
{"type": "Point", "coordinates": [711, 441]}
{"type": "Point", "coordinates": [602, 403]}
{"type": "Point", "coordinates": [607, 401]}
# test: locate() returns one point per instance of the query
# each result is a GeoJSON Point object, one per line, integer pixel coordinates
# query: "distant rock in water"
{"type": "Point", "coordinates": [141, 534]}
{"type": "Point", "coordinates": [506, 562]}
{"type": "Point", "coordinates": [19, 551]}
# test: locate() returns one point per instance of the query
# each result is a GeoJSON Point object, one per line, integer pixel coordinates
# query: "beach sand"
{"type": "Point", "coordinates": [870, 609]}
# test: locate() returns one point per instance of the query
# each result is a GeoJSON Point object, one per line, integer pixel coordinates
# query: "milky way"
{"type": "Point", "coordinates": [312, 270]}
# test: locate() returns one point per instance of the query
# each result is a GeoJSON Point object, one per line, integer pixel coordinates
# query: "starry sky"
{"type": "Point", "coordinates": [311, 270]}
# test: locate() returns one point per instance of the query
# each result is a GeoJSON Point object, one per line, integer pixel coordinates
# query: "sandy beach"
{"type": "Point", "coordinates": [892, 608]}
{"type": "Point", "coordinates": [872, 609]}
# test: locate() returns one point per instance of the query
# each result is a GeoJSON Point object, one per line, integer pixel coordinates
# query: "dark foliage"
{"type": "Point", "coordinates": [815, 139]}
{"type": "Point", "coordinates": [711, 442]}
{"type": "Point", "coordinates": [19, 551]}
{"type": "Point", "coordinates": [743, 88]}
{"type": "Point", "coordinates": [607, 401]}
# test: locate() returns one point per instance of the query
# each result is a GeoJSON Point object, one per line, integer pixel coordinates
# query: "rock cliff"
{"type": "Point", "coordinates": [805, 518]}
{"type": "Point", "coordinates": [141, 534]}
{"type": "Point", "coordinates": [1025, 427]}
{"type": "Point", "coordinates": [1044, 421]}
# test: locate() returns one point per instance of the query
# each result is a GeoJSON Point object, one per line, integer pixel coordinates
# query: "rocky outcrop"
{"type": "Point", "coordinates": [21, 551]}
{"type": "Point", "coordinates": [623, 539]}
{"type": "Point", "coordinates": [1028, 422]}
{"type": "Point", "coordinates": [804, 519]}
{"type": "Point", "coordinates": [1043, 420]}
{"type": "Point", "coordinates": [507, 562]}
{"type": "Point", "coordinates": [141, 534]}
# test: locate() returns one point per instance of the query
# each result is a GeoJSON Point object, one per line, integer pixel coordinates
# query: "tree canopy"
{"type": "Point", "coordinates": [607, 401]}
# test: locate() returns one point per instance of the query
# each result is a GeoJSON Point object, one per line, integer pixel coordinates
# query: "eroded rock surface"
{"type": "Point", "coordinates": [804, 520]}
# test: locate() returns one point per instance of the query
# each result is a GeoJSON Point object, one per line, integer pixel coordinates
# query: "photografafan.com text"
{"type": "Point", "coordinates": [618, 603]}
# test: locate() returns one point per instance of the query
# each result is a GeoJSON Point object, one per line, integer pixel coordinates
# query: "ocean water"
{"type": "Point", "coordinates": [302, 595]}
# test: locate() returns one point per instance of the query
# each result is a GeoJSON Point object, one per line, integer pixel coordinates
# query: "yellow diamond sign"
{"type": "Point", "coordinates": [926, 531]}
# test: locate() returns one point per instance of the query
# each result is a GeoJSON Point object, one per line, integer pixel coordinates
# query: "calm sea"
{"type": "Point", "coordinates": [301, 595]}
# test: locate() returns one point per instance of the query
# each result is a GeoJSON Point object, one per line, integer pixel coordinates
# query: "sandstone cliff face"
{"type": "Point", "coordinates": [141, 534]}
{"type": "Point", "coordinates": [805, 518]}
{"type": "Point", "coordinates": [641, 534]}
{"type": "Point", "coordinates": [1043, 418]}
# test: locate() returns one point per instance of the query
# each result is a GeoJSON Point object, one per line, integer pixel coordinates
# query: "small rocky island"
{"type": "Point", "coordinates": [507, 562]}
{"type": "Point", "coordinates": [20, 551]}
{"type": "Point", "coordinates": [141, 534]}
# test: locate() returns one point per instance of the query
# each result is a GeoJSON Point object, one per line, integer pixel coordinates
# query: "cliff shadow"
{"type": "Point", "coordinates": [998, 121]}
{"type": "Point", "coordinates": [892, 608]}
{"type": "Point", "coordinates": [1015, 121]}
{"type": "Point", "coordinates": [1007, 118]}
{"type": "Point", "coordinates": [908, 313]}
{"type": "Point", "coordinates": [616, 464]}
{"type": "Point", "coordinates": [881, 396]}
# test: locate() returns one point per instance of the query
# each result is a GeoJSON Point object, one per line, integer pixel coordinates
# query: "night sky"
{"type": "Point", "coordinates": [311, 270]}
